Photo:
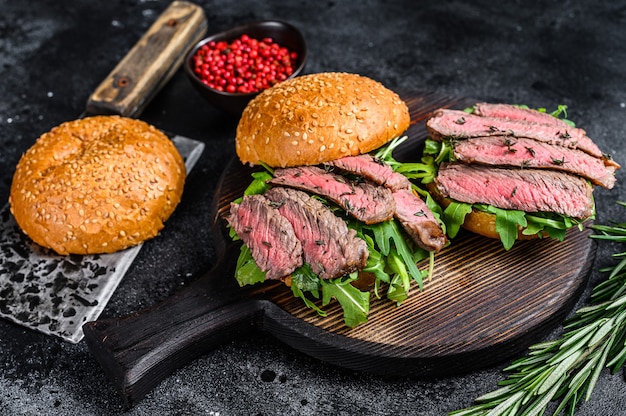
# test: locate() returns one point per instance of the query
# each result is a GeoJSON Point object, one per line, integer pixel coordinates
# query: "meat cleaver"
{"type": "Point", "coordinates": [56, 294]}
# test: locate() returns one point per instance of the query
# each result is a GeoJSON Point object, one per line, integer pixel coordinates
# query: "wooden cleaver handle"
{"type": "Point", "coordinates": [153, 60]}
{"type": "Point", "coordinates": [140, 350]}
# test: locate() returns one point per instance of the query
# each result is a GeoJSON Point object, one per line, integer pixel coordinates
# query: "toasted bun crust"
{"type": "Point", "coordinates": [97, 185]}
{"type": "Point", "coordinates": [317, 118]}
{"type": "Point", "coordinates": [478, 222]}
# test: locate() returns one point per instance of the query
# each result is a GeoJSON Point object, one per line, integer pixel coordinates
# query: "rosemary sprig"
{"type": "Point", "coordinates": [567, 369]}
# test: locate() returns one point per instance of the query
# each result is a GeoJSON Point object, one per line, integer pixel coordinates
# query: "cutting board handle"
{"type": "Point", "coordinates": [153, 60]}
{"type": "Point", "coordinates": [140, 350]}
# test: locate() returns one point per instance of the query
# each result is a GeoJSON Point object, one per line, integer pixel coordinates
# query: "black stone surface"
{"type": "Point", "coordinates": [53, 53]}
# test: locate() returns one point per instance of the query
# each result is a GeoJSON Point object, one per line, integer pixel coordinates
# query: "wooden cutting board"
{"type": "Point", "coordinates": [483, 304]}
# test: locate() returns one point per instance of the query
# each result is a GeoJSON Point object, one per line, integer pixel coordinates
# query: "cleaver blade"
{"type": "Point", "coordinates": [55, 294]}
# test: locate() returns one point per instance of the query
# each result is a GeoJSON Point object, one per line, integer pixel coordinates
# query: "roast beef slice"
{"type": "Point", "coordinates": [329, 247]}
{"type": "Point", "coordinates": [457, 124]}
{"type": "Point", "coordinates": [366, 202]}
{"type": "Point", "coordinates": [528, 153]}
{"type": "Point", "coordinates": [269, 236]}
{"type": "Point", "coordinates": [372, 169]}
{"type": "Point", "coordinates": [418, 221]}
{"type": "Point", "coordinates": [529, 190]}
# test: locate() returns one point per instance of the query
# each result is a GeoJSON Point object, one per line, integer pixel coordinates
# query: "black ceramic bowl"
{"type": "Point", "coordinates": [280, 32]}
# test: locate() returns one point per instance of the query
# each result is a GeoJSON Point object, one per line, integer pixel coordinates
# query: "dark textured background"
{"type": "Point", "coordinates": [53, 53]}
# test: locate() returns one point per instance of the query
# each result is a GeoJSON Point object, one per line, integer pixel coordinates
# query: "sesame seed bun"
{"type": "Point", "coordinates": [317, 118]}
{"type": "Point", "coordinates": [97, 185]}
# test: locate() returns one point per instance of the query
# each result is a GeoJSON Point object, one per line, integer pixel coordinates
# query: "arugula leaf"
{"type": "Point", "coordinates": [454, 217]}
{"type": "Point", "coordinates": [355, 303]}
{"type": "Point", "coordinates": [304, 280]}
{"type": "Point", "coordinates": [389, 232]}
{"type": "Point", "coordinates": [376, 263]}
{"type": "Point", "coordinates": [507, 222]}
{"type": "Point", "coordinates": [398, 267]}
{"type": "Point", "coordinates": [441, 151]}
{"type": "Point", "coordinates": [259, 183]}
{"type": "Point", "coordinates": [385, 152]}
{"type": "Point", "coordinates": [396, 291]}
{"type": "Point", "coordinates": [247, 272]}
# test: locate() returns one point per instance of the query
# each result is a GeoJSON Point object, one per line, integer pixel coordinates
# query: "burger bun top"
{"type": "Point", "coordinates": [317, 118]}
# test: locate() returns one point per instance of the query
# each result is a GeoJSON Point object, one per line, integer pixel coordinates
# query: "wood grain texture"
{"type": "Point", "coordinates": [150, 63]}
{"type": "Point", "coordinates": [483, 304]}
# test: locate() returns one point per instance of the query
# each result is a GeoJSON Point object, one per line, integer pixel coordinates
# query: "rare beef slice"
{"type": "Point", "coordinates": [528, 190]}
{"type": "Point", "coordinates": [329, 247]}
{"type": "Point", "coordinates": [365, 201]}
{"type": "Point", "coordinates": [269, 236]}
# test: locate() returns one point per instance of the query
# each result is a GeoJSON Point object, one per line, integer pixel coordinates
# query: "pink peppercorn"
{"type": "Point", "coordinates": [245, 65]}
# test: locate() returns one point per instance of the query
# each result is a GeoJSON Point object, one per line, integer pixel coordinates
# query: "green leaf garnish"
{"type": "Point", "coordinates": [259, 183]}
{"type": "Point", "coordinates": [355, 303]}
{"type": "Point", "coordinates": [303, 280]}
{"type": "Point", "coordinates": [507, 222]}
{"type": "Point", "coordinates": [454, 216]}
{"type": "Point", "coordinates": [247, 272]}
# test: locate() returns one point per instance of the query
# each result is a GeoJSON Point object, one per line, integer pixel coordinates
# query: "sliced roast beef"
{"type": "Point", "coordinates": [418, 221]}
{"type": "Point", "coordinates": [461, 125]}
{"type": "Point", "coordinates": [373, 169]}
{"type": "Point", "coordinates": [528, 153]}
{"type": "Point", "coordinates": [269, 236]}
{"type": "Point", "coordinates": [529, 190]}
{"type": "Point", "coordinates": [513, 112]}
{"type": "Point", "coordinates": [329, 247]}
{"type": "Point", "coordinates": [366, 202]}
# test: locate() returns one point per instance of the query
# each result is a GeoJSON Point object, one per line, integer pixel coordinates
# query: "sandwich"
{"type": "Point", "coordinates": [511, 172]}
{"type": "Point", "coordinates": [328, 209]}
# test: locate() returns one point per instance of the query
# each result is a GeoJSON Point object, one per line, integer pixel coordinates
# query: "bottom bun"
{"type": "Point", "coordinates": [478, 222]}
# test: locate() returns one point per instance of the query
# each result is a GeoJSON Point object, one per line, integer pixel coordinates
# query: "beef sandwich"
{"type": "Point", "coordinates": [510, 172]}
{"type": "Point", "coordinates": [328, 209]}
